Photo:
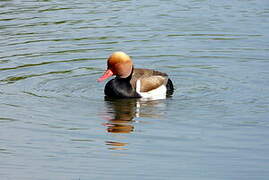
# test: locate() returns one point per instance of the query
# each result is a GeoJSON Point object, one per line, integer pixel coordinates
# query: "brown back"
{"type": "Point", "coordinates": [150, 79]}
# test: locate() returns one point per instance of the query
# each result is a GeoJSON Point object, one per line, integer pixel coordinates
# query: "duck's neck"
{"type": "Point", "coordinates": [129, 76]}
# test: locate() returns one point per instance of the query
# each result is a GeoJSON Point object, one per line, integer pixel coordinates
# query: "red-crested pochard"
{"type": "Point", "coordinates": [131, 82]}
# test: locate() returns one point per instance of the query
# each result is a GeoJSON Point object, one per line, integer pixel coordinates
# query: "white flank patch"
{"type": "Point", "coordinates": [158, 93]}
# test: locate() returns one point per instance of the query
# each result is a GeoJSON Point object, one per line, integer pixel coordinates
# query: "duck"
{"type": "Point", "coordinates": [133, 82]}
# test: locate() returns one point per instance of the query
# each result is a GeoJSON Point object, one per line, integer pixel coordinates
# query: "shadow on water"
{"type": "Point", "coordinates": [123, 114]}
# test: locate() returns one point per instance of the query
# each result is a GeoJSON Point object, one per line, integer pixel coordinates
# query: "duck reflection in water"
{"type": "Point", "coordinates": [123, 111]}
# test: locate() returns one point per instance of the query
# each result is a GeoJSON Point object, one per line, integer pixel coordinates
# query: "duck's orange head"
{"type": "Point", "coordinates": [119, 64]}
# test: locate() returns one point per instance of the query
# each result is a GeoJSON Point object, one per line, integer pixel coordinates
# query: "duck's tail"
{"type": "Point", "coordinates": [170, 88]}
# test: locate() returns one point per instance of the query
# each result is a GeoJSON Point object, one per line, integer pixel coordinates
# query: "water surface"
{"type": "Point", "coordinates": [56, 123]}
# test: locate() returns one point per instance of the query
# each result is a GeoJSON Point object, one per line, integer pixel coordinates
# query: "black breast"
{"type": "Point", "coordinates": [120, 88]}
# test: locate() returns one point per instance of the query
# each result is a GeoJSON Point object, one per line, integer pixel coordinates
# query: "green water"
{"type": "Point", "coordinates": [56, 124]}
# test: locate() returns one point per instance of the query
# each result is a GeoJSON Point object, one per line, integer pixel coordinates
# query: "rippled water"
{"type": "Point", "coordinates": [56, 123]}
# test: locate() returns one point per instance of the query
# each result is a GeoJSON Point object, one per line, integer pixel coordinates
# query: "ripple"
{"type": "Point", "coordinates": [36, 95]}
{"type": "Point", "coordinates": [13, 79]}
{"type": "Point", "coordinates": [54, 9]}
{"type": "Point", "coordinates": [5, 119]}
{"type": "Point", "coordinates": [4, 151]}
{"type": "Point", "coordinates": [50, 62]}
{"type": "Point", "coordinates": [82, 140]}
